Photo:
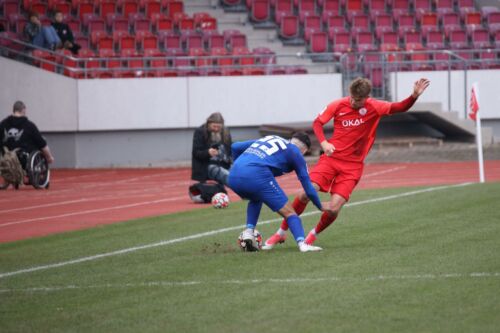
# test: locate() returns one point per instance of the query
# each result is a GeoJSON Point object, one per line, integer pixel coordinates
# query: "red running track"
{"type": "Point", "coordinates": [79, 199]}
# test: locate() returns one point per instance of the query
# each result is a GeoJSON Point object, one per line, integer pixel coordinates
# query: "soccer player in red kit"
{"type": "Point", "coordinates": [339, 169]}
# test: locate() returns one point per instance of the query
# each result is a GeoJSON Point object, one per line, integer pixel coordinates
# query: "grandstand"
{"type": "Point", "coordinates": [277, 62]}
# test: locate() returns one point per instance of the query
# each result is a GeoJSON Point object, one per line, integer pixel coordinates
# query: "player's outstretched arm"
{"type": "Point", "coordinates": [420, 86]}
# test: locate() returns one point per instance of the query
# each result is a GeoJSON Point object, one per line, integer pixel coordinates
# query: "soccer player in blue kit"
{"type": "Point", "coordinates": [252, 177]}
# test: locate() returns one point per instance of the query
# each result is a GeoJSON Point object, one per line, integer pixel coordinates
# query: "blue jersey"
{"type": "Point", "coordinates": [275, 154]}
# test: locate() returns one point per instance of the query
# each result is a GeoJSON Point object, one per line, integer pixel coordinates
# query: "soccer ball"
{"type": "Point", "coordinates": [256, 246]}
{"type": "Point", "coordinates": [220, 200]}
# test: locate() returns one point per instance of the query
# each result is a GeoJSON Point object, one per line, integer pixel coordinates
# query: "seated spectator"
{"type": "Point", "coordinates": [65, 34]}
{"type": "Point", "coordinates": [211, 155]}
{"type": "Point", "coordinates": [38, 35]}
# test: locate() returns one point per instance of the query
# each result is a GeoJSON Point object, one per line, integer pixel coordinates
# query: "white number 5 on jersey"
{"type": "Point", "coordinates": [270, 144]}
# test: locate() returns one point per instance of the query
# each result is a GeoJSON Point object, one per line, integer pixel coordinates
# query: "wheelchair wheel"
{"type": "Point", "coordinates": [38, 170]}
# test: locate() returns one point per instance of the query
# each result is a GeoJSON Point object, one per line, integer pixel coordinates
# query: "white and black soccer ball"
{"type": "Point", "coordinates": [256, 246]}
{"type": "Point", "coordinates": [220, 200]}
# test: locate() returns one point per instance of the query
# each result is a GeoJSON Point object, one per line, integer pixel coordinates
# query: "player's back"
{"type": "Point", "coordinates": [271, 152]}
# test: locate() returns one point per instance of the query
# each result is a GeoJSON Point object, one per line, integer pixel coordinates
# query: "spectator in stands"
{"type": "Point", "coordinates": [16, 131]}
{"type": "Point", "coordinates": [38, 35]}
{"type": "Point", "coordinates": [211, 155]}
{"type": "Point", "coordinates": [65, 34]}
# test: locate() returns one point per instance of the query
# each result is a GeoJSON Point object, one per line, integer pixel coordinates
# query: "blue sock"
{"type": "Point", "coordinates": [253, 212]}
{"type": "Point", "coordinates": [295, 225]}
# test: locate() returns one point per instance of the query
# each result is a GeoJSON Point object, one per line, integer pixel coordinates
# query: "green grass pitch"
{"type": "Point", "coordinates": [422, 262]}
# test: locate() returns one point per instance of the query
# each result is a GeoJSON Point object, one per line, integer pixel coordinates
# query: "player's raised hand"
{"type": "Point", "coordinates": [420, 87]}
{"type": "Point", "coordinates": [327, 147]}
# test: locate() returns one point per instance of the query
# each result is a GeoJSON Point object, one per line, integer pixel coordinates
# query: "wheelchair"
{"type": "Point", "coordinates": [36, 170]}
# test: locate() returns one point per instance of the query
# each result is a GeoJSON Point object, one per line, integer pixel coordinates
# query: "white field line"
{"type": "Point", "coordinates": [383, 172]}
{"type": "Point", "coordinates": [152, 284]}
{"type": "Point", "coordinates": [208, 233]}
{"type": "Point", "coordinates": [91, 211]}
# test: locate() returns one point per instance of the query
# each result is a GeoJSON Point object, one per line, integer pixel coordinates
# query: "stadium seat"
{"type": "Point", "coordinates": [354, 7]}
{"type": "Point", "coordinates": [445, 6]}
{"type": "Point", "coordinates": [126, 42]}
{"type": "Point", "coordinates": [377, 7]}
{"type": "Point", "coordinates": [489, 59]}
{"type": "Point", "coordinates": [390, 38]}
{"type": "Point", "coordinates": [264, 55]}
{"type": "Point", "coordinates": [44, 60]}
{"type": "Point", "coordinates": [330, 6]}
{"type": "Point", "coordinates": [412, 37]}
{"type": "Point", "coordinates": [234, 38]}
{"type": "Point", "coordinates": [400, 7]}
{"type": "Point", "coordinates": [360, 23]}
{"type": "Point", "coordinates": [493, 21]}
{"type": "Point", "coordinates": [213, 39]}
{"type": "Point", "coordinates": [147, 40]}
{"type": "Point", "coordinates": [192, 40]}
{"type": "Point", "coordinates": [85, 8]}
{"type": "Point", "coordinates": [151, 8]}
{"type": "Point", "coordinates": [243, 56]}
{"type": "Point", "coordinates": [289, 27]}
{"type": "Point", "coordinates": [173, 7]}
{"type": "Point", "coordinates": [365, 42]}
{"type": "Point", "coordinates": [260, 11]}
{"type": "Point", "coordinates": [311, 24]}
{"type": "Point", "coordinates": [95, 36]}
{"type": "Point", "coordinates": [107, 7]}
{"type": "Point", "coordinates": [480, 39]}
{"type": "Point", "coordinates": [281, 9]}
{"type": "Point", "coordinates": [450, 22]}
{"type": "Point", "coordinates": [435, 40]}
{"type": "Point", "coordinates": [164, 24]}
{"type": "Point", "coordinates": [172, 41]}
{"type": "Point", "coordinates": [336, 23]}
{"type": "Point", "coordinates": [220, 56]}
{"type": "Point", "coordinates": [406, 22]}
{"type": "Point", "coordinates": [428, 22]}
{"type": "Point", "coordinates": [129, 7]}
{"type": "Point", "coordinates": [422, 6]}
{"type": "Point", "coordinates": [458, 39]}
{"type": "Point", "coordinates": [117, 22]}
{"type": "Point", "coordinates": [319, 42]}
{"type": "Point", "coordinates": [341, 42]}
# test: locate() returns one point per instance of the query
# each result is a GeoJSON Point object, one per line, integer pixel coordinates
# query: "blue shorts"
{"type": "Point", "coordinates": [258, 184]}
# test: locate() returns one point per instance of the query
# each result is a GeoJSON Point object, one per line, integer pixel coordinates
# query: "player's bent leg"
{"type": "Point", "coordinates": [295, 225]}
{"type": "Point", "coordinates": [328, 217]}
{"type": "Point", "coordinates": [248, 235]}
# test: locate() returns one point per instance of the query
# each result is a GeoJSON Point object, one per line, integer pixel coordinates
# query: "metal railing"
{"type": "Point", "coordinates": [377, 66]}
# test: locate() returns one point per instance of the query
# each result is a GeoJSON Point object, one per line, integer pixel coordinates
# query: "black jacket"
{"type": "Point", "coordinates": [19, 132]}
{"type": "Point", "coordinates": [200, 156]}
{"type": "Point", "coordinates": [64, 32]}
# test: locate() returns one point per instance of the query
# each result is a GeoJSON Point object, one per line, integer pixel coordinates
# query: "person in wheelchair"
{"type": "Point", "coordinates": [18, 132]}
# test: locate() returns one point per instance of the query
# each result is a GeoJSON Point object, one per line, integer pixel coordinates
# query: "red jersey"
{"type": "Point", "coordinates": [354, 130]}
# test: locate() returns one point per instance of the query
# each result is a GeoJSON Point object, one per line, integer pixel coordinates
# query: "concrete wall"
{"type": "Point", "coordinates": [455, 82]}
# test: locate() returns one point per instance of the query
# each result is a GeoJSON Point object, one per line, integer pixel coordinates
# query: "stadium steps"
{"type": "Point", "coordinates": [448, 122]}
{"type": "Point", "coordinates": [256, 37]}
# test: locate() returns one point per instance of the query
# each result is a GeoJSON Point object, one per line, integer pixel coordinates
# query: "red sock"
{"type": "Point", "coordinates": [298, 207]}
{"type": "Point", "coordinates": [324, 222]}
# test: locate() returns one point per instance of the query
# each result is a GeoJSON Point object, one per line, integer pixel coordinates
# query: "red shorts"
{"type": "Point", "coordinates": [336, 176]}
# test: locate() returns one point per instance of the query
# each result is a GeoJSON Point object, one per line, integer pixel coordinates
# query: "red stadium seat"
{"type": "Point", "coordinates": [377, 7]}
{"type": "Point", "coordinates": [319, 42]}
{"type": "Point", "coordinates": [289, 27]}
{"type": "Point", "coordinates": [221, 56]}
{"type": "Point", "coordinates": [406, 22]}
{"type": "Point", "coordinates": [213, 39]}
{"type": "Point", "coordinates": [129, 7]}
{"type": "Point", "coordinates": [360, 23]}
{"type": "Point", "coordinates": [429, 22]}
{"type": "Point", "coordinates": [445, 6]}
{"type": "Point", "coordinates": [480, 39]}
{"type": "Point", "coordinates": [341, 41]}
{"type": "Point", "coordinates": [174, 7]}
{"type": "Point", "coordinates": [264, 55]}
{"type": "Point", "coordinates": [164, 24]}
{"type": "Point", "coordinates": [435, 40]}
{"type": "Point", "coordinates": [234, 38]}
{"type": "Point", "coordinates": [336, 23]}
{"type": "Point", "coordinates": [107, 7]}
{"type": "Point", "coordinates": [422, 6]}
{"type": "Point", "coordinates": [311, 24]}
{"type": "Point", "coordinates": [458, 39]}
{"type": "Point", "coordinates": [283, 8]}
{"type": "Point", "coordinates": [400, 7]}
{"type": "Point", "coordinates": [365, 42]}
{"type": "Point", "coordinates": [390, 38]}
{"type": "Point", "coordinates": [260, 11]}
